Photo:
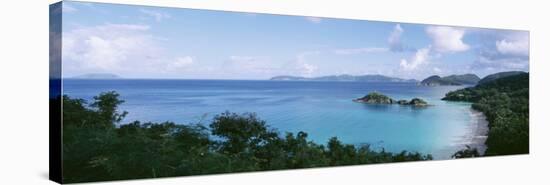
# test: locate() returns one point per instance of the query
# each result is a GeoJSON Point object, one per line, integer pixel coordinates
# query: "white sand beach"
{"type": "Point", "coordinates": [479, 130]}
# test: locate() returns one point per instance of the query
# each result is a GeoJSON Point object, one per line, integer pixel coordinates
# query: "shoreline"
{"type": "Point", "coordinates": [479, 130]}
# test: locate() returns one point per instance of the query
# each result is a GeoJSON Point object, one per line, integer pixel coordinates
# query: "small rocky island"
{"type": "Point", "coordinates": [377, 98]}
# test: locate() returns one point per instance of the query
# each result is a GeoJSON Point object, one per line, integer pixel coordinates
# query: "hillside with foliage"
{"type": "Point", "coordinates": [505, 103]}
{"type": "Point", "coordinates": [464, 79]}
{"type": "Point", "coordinates": [495, 76]}
{"type": "Point", "coordinates": [97, 147]}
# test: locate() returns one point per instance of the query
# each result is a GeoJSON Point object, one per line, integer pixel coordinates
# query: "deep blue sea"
{"type": "Point", "coordinates": [322, 109]}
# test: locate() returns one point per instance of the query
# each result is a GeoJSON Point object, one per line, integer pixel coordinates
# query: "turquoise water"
{"type": "Point", "coordinates": [322, 109]}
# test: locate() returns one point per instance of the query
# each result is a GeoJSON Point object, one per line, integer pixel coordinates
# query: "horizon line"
{"type": "Point", "coordinates": [263, 79]}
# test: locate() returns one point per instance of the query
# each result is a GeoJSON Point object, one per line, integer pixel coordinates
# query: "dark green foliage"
{"type": "Point", "coordinates": [505, 103]}
{"type": "Point", "coordinates": [466, 153]}
{"type": "Point", "coordinates": [378, 98]}
{"type": "Point", "coordinates": [436, 80]}
{"type": "Point", "coordinates": [241, 133]}
{"type": "Point", "coordinates": [375, 98]}
{"type": "Point", "coordinates": [417, 102]}
{"type": "Point", "coordinates": [495, 76]}
{"type": "Point", "coordinates": [97, 148]}
{"type": "Point", "coordinates": [463, 79]}
{"type": "Point", "coordinates": [300, 153]}
{"type": "Point", "coordinates": [106, 104]}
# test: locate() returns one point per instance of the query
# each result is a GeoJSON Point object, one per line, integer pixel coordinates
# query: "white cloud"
{"type": "Point", "coordinates": [178, 66]}
{"type": "Point", "coordinates": [116, 48]}
{"type": "Point", "coordinates": [181, 63]}
{"type": "Point", "coordinates": [437, 70]}
{"type": "Point", "coordinates": [504, 51]}
{"type": "Point", "coordinates": [128, 50]}
{"type": "Point", "coordinates": [501, 64]}
{"type": "Point", "coordinates": [447, 39]}
{"type": "Point", "coordinates": [131, 51]}
{"type": "Point", "coordinates": [315, 20]}
{"type": "Point", "coordinates": [68, 9]}
{"type": "Point", "coordinates": [515, 46]}
{"type": "Point", "coordinates": [302, 67]}
{"type": "Point", "coordinates": [158, 16]}
{"type": "Point", "coordinates": [420, 57]}
{"type": "Point", "coordinates": [394, 40]}
{"type": "Point", "coordinates": [359, 50]}
{"type": "Point", "coordinates": [307, 69]}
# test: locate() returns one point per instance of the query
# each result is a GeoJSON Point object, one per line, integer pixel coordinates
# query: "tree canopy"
{"type": "Point", "coordinates": [97, 147]}
{"type": "Point", "coordinates": [505, 103]}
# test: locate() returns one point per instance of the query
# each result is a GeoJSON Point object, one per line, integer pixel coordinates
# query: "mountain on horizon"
{"type": "Point", "coordinates": [344, 77]}
{"type": "Point", "coordinates": [97, 76]}
{"type": "Point", "coordinates": [464, 79]}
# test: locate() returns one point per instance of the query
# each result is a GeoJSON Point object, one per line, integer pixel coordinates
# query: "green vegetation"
{"type": "Point", "coordinates": [466, 153]}
{"type": "Point", "coordinates": [97, 147]}
{"type": "Point", "coordinates": [377, 98]}
{"type": "Point", "coordinates": [495, 76]}
{"type": "Point", "coordinates": [505, 103]}
{"type": "Point", "coordinates": [414, 102]}
{"type": "Point", "coordinates": [464, 79]}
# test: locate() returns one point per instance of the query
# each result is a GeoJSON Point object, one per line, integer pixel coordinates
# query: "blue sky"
{"type": "Point", "coordinates": [154, 42]}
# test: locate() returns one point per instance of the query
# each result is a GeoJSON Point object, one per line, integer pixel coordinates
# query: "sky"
{"type": "Point", "coordinates": [156, 42]}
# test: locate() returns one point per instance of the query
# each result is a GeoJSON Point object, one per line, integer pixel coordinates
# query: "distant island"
{"type": "Point", "coordinates": [97, 76]}
{"type": "Point", "coordinates": [465, 79]}
{"type": "Point", "coordinates": [377, 98]}
{"type": "Point", "coordinates": [349, 78]}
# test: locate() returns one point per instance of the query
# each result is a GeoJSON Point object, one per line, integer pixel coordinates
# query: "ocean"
{"type": "Point", "coordinates": [322, 109]}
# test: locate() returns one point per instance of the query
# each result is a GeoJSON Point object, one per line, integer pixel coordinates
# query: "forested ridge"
{"type": "Point", "coordinates": [505, 103]}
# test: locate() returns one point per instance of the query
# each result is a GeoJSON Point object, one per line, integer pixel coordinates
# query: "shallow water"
{"type": "Point", "coordinates": [322, 109]}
